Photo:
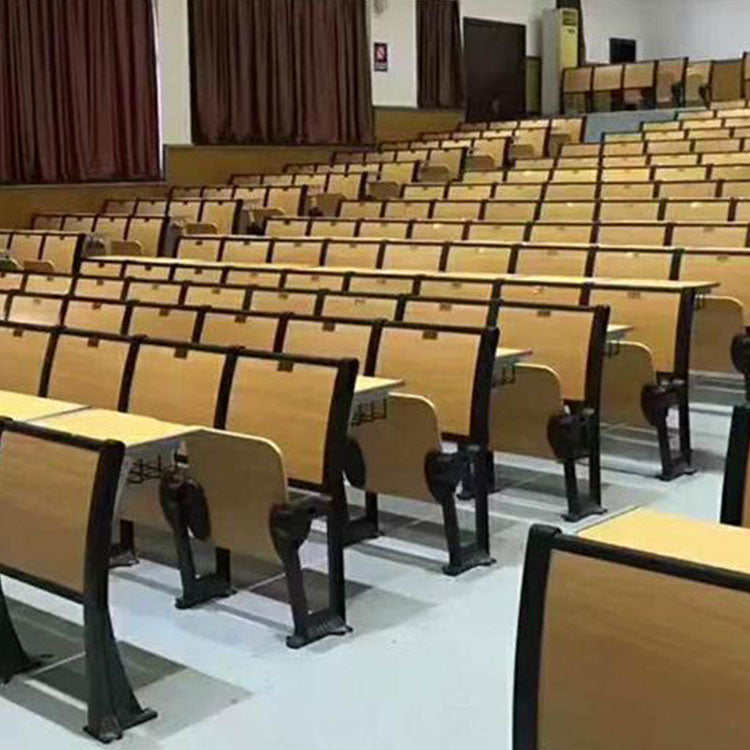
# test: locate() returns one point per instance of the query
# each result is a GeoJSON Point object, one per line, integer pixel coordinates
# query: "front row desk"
{"type": "Point", "coordinates": [634, 634]}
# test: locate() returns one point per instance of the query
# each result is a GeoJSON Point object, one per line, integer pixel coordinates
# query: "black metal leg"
{"type": "Point", "coordinates": [572, 437]}
{"type": "Point", "coordinates": [13, 659]}
{"type": "Point", "coordinates": [122, 554]}
{"type": "Point", "coordinates": [371, 509]}
{"type": "Point", "coordinates": [665, 450]}
{"type": "Point", "coordinates": [686, 452]}
{"type": "Point", "coordinates": [443, 474]}
{"type": "Point", "coordinates": [481, 503]}
{"type": "Point", "coordinates": [290, 527]}
{"type": "Point", "coordinates": [196, 589]}
{"type": "Point", "coordinates": [468, 490]}
{"type": "Point", "coordinates": [112, 705]}
{"type": "Point", "coordinates": [366, 526]}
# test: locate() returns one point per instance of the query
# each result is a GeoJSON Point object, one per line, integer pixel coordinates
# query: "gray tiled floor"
{"type": "Point", "coordinates": [428, 665]}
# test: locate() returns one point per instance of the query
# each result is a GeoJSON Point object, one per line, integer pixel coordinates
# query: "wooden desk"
{"type": "Point", "coordinates": [22, 407]}
{"type": "Point", "coordinates": [370, 395]}
{"type": "Point", "coordinates": [655, 533]}
{"type": "Point", "coordinates": [617, 333]}
{"type": "Point", "coordinates": [505, 363]}
{"type": "Point", "coordinates": [134, 431]}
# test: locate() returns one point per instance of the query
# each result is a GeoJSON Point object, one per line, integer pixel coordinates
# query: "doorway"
{"type": "Point", "coordinates": [495, 62]}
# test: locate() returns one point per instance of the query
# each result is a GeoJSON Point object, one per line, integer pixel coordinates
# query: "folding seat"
{"type": "Point", "coordinates": [576, 89]}
{"type": "Point", "coordinates": [649, 375]}
{"type": "Point", "coordinates": [449, 374]}
{"type": "Point", "coordinates": [550, 408]}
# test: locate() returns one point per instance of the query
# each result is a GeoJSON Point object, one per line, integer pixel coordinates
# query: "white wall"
{"type": "Point", "coordinates": [626, 19]}
{"type": "Point", "coordinates": [396, 25]}
{"type": "Point", "coordinates": [174, 70]}
{"type": "Point", "coordinates": [700, 29]}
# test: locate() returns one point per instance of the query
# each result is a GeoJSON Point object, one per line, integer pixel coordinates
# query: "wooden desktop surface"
{"type": "Point", "coordinates": [22, 406]}
{"type": "Point", "coordinates": [368, 390]}
{"type": "Point", "coordinates": [131, 429]}
{"type": "Point", "coordinates": [667, 535]}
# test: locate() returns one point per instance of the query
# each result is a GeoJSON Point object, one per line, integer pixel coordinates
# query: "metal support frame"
{"type": "Point", "coordinates": [444, 471]}
{"type": "Point", "coordinates": [196, 589]}
{"type": "Point", "coordinates": [290, 527]}
{"type": "Point", "coordinates": [656, 401]}
{"type": "Point", "coordinates": [575, 436]}
{"type": "Point", "coordinates": [741, 358]}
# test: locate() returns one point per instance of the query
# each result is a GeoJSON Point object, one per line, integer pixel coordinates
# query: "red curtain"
{"type": "Point", "coordinates": [440, 69]}
{"type": "Point", "coordinates": [78, 92]}
{"type": "Point", "coordinates": [280, 71]}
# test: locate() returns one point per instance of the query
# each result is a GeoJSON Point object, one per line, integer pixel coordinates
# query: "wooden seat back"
{"type": "Point", "coordinates": [162, 322]}
{"type": "Point", "coordinates": [452, 367]}
{"type": "Point", "coordinates": [177, 383]}
{"type": "Point", "coordinates": [39, 309]}
{"type": "Point", "coordinates": [103, 316]}
{"type": "Point", "coordinates": [661, 320]}
{"type": "Point", "coordinates": [570, 340]}
{"type": "Point", "coordinates": [362, 306]}
{"type": "Point", "coordinates": [645, 611]}
{"type": "Point", "coordinates": [89, 368]}
{"type": "Point", "coordinates": [302, 404]}
{"type": "Point", "coordinates": [24, 351]}
{"type": "Point", "coordinates": [330, 337]}
{"type": "Point", "coordinates": [74, 494]}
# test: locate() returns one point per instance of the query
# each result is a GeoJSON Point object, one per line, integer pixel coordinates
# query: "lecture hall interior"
{"type": "Point", "coordinates": [375, 374]}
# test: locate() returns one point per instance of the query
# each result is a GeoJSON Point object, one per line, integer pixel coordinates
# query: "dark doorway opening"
{"type": "Point", "coordinates": [495, 61]}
